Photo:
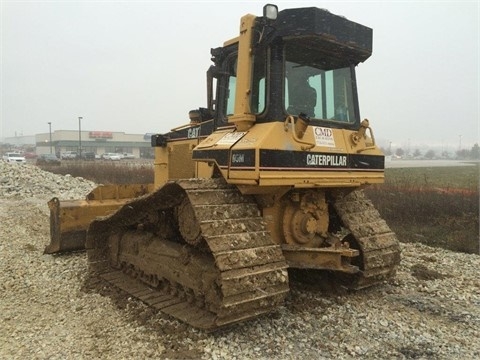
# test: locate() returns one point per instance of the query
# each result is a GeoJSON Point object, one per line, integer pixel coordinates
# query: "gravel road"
{"type": "Point", "coordinates": [48, 310]}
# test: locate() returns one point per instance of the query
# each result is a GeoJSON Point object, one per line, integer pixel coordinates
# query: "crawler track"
{"type": "Point", "coordinates": [378, 245]}
{"type": "Point", "coordinates": [194, 249]}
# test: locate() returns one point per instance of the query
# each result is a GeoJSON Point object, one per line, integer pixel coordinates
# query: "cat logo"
{"type": "Point", "coordinates": [193, 132]}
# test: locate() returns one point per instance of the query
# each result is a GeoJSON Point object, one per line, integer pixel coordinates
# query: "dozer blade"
{"type": "Point", "coordinates": [69, 219]}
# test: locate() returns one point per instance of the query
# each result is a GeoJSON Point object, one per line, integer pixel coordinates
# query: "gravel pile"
{"type": "Point", "coordinates": [47, 310]}
{"type": "Point", "coordinates": [30, 181]}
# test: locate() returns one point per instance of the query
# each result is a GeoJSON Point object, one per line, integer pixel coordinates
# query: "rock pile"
{"type": "Point", "coordinates": [26, 180]}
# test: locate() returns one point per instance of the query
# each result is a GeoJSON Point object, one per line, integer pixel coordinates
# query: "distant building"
{"type": "Point", "coordinates": [98, 142]}
{"type": "Point", "coordinates": [22, 140]}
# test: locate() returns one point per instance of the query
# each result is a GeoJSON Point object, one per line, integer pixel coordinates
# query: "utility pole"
{"type": "Point", "coordinates": [50, 133]}
{"type": "Point", "coordinates": [80, 137]}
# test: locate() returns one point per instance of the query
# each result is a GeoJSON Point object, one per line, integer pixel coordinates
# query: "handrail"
{"type": "Point", "coordinates": [291, 119]}
{"type": "Point", "coordinates": [361, 133]}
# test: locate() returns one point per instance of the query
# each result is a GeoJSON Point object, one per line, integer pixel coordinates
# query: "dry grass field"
{"type": "Point", "coordinates": [437, 206]}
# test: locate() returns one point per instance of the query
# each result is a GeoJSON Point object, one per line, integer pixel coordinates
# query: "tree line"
{"type": "Point", "coordinates": [463, 154]}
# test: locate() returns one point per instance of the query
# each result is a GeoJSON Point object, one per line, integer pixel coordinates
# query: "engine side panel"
{"type": "Point", "coordinates": [268, 154]}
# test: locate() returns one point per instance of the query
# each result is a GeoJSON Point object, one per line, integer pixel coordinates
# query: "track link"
{"type": "Point", "coordinates": [378, 245]}
{"type": "Point", "coordinates": [234, 273]}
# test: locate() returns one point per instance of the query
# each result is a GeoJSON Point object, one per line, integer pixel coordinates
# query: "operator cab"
{"type": "Point", "coordinates": [301, 65]}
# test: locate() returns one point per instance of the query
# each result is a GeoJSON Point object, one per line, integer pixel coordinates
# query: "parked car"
{"type": "Point", "coordinates": [88, 155]}
{"type": "Point", "coordinates": [128, 156]}
{"type": "Point", "coordinates": [30, 155]}
{"type": "Point", "coordinates": [48, 159]}
{"type": "Point", "coordinates": [13, 157]}
{"type": "Point", "coordinates": [112, 156]}
{"type": "Point", "coordinates": [69, 155]}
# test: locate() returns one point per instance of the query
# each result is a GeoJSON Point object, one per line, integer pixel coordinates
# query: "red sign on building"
{"type": "Point", "coordinates": [100, 134]}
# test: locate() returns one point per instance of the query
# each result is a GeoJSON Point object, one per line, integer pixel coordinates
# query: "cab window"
{"type": "Point", "coordinates": [318, 92]}
{"type": "Point", "coordinates": [258, 93]}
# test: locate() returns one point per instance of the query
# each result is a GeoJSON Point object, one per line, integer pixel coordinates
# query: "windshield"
{"type": "Point", "coordinates": [318, 84]}
{"type": "Point", "coordinates": [318, 92]}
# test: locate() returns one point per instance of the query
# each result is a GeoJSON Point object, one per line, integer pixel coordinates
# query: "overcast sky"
{"type": "Point", "coordinates": [140, 66]}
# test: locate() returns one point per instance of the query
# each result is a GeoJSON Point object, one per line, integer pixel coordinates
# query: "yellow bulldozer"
{"type": "Point", "coordinates": [267, 177]}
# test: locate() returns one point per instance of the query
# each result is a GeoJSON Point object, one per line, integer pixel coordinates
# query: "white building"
{"type": "Point", "coordinates": [98, 142]}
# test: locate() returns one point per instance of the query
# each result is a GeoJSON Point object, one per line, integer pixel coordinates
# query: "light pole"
{"type": "Point", "coordinates": [50, 135]}
{"type": "Point", "coordinates": [80, 137]}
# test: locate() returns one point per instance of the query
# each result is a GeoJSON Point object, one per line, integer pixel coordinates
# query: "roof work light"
{"type": "Point", "coordinates": [270, 11]}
